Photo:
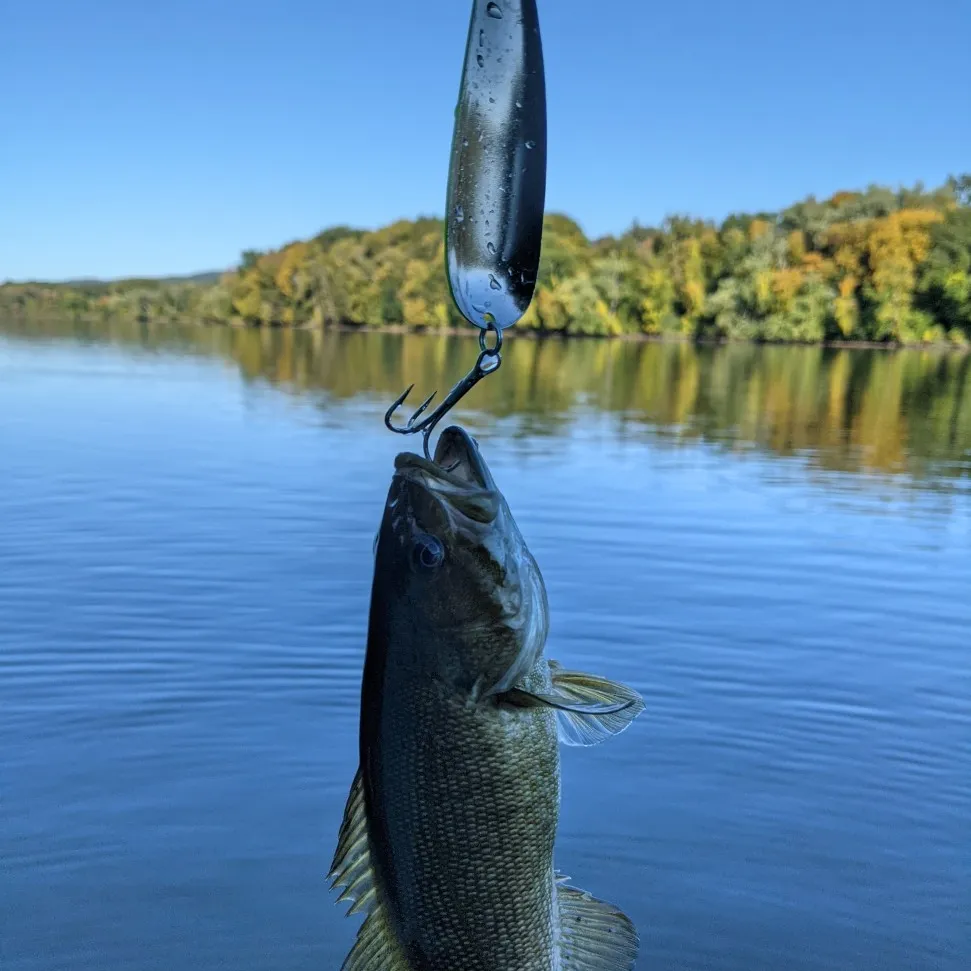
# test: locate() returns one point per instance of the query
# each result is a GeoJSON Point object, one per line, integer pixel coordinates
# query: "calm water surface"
{"type": "Point", "coordinates": [774, 546]}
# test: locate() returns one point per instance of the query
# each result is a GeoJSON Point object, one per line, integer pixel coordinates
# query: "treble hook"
{"type": "Point", "coordinates": [461, 389]}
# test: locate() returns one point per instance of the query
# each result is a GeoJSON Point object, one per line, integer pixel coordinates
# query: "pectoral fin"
{"type": "Point", "coordinates": [589, 709]}
{"type": "Point", "coordinates": [376, 948]}
{"type": "Point", "coordinates": [593, 935]}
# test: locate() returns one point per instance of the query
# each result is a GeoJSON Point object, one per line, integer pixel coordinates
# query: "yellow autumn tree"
{"type": "Point", "coordinates": [689, 280]}
{"type": "Point", "coordinates": [896, 245]}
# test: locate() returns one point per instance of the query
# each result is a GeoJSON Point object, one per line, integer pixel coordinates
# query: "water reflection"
{"type": "Point", "coordinates": [848, 410]}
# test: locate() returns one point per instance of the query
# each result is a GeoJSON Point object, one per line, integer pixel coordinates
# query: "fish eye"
{"type": "Point", "coordinates": [428, 554]}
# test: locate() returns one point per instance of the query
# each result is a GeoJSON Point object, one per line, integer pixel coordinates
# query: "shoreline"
{"type": "Point", "coordinates": [539, 335]}
{"type": "Point", "coordinates": [471, 331]}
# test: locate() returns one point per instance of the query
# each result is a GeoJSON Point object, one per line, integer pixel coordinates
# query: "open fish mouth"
{"type": "Point", "coordinates": [458, 475]}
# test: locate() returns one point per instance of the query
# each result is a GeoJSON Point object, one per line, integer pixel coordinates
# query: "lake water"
{"type": "Point", "coordinates": [772, 545]}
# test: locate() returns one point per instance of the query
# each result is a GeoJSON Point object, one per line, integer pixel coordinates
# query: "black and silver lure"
{"type": "Point", "coordinates": [496, 189]}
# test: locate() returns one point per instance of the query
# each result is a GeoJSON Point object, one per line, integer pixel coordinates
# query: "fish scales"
{"type": "Point", "coordinates": [470, 804]}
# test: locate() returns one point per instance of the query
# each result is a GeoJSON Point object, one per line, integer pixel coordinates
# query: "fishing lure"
{"type": "Point", "coordinates": [496, 189]}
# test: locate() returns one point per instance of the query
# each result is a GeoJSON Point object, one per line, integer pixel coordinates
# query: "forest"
{"type": "Point", "coordinates": [880, 265]}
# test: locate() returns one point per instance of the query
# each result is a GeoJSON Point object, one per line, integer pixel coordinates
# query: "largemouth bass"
{"type": "Point", "coordinates": [447, 839]}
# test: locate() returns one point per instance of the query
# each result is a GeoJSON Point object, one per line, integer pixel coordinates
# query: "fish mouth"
{"type": "Point", "coordinates": [458, 475]}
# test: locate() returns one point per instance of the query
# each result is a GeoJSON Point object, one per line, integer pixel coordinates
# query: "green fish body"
{"type": "Point", "coordinates": [448, 834]}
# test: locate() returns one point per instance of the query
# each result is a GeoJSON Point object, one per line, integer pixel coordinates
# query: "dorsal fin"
{"type": "Point", "coordinates": [376, 948]}
{"type": "Point", "coordinates": [592, 935]}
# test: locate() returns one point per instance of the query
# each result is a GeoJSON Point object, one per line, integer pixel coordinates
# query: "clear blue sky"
{"type": "Point", "coordinates": [154, 138]}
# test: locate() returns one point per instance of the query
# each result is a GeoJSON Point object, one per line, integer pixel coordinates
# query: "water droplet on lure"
{"type": "Point", "coordinates": [494, 11]}
{"type": "Point", "coordinates": [459, 214]}
{"type": "Point", "coordinates": [480, 60]}
{"type": "Point", "coordinates": [531, 144]}
{"type": "Point", "coordinates": [494, 283]}
{"type": "Point", "coordinates": [491, 247]}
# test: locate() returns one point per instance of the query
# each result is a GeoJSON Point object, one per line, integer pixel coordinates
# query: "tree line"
{"type": "Point", "coordinates": [881, 265]}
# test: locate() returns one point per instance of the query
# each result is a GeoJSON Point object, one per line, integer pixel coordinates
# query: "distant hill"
{"type": "Point", "coordinates": [202, 279]}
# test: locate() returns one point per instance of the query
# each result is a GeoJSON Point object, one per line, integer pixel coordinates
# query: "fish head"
{"type": "Point", "coordinates": [453, 568]}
